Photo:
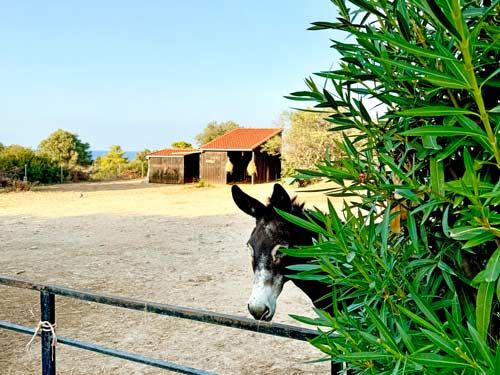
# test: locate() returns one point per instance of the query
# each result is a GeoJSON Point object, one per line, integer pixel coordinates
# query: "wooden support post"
{"type": "Point", "coordinates": [253, 160]}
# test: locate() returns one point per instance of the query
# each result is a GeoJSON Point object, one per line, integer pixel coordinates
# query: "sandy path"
{"type": "Point", "coordinates": [171, 244]}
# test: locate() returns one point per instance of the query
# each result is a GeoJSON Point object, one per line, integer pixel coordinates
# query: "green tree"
{"type": "Point", "coordinates": [112, 164]}
{"type": "Point", "coordinates": [14, 159]}
{"type": "Point", "coordinates": [215, 129]}
{"type": "Point", "coordinates": [139, 166]}
{"type": "Point", "coordinates": [415, 263]}
{"type": "Point", "coordinates": [141, 156]}
{"type": "Point", "coordinates": [306, 140]}
{"type": "Point", "coordinates": [66, 149]}
{"type": "Point", "coordinates": [182, 144]}
{"type": "Point", "coordinates": [273, 146]}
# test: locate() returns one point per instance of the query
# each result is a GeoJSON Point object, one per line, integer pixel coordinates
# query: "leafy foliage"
{"type": "Point", "coordinates": [66, 149]}
{"type": "Point", "coordinates": [272, 146]}
{"type": "Point", "coordinates": [139, 166]}
{"type": "Point", "coordinates": [415, 263]}
{"type": "Point", "coordinates": [111, 165]}
{"type": "Point", "coordinates": [306, 140]}
{"type": "Point", "coordinates": [215, 129]}
{"type": "Point", "coordinates": [14, 158]}
{"type": "Point", "coordinates": [182, 144]}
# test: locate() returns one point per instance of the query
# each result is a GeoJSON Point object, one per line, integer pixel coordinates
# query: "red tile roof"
{"type": "Point", "coordinates": [242, 139]}
{"type": "Point", "coordinates": [173, 152]}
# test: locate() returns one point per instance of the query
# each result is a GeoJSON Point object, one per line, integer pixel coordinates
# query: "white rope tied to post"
{"type": "Point", "coordinates": [44, 326]}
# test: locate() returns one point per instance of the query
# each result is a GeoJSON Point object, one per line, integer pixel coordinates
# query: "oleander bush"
{"type": "Point", "coordinates": [414, 259]}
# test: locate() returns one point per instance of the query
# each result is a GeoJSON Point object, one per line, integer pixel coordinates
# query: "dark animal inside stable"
{"type": "Point", "coordinates": [214, 167]}
{"type": "Point", "coordinates": [239, 161]}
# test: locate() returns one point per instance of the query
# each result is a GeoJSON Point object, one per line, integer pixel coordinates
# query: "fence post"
{"type": "Point", "coordinates": [48, 314]}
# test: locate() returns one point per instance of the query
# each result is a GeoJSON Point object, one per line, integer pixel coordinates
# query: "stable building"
{"type": "Point", "coordinates": [174, 166]}
{"type": "Point", "coordinates": [237, 157]}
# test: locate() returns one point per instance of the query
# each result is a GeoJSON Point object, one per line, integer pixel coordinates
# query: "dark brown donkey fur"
{"type": "Point", "coordinates": [271, 230]}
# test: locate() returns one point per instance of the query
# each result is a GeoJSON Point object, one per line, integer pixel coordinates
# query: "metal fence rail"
{"type": "Point", "coordinates": [47, 305]}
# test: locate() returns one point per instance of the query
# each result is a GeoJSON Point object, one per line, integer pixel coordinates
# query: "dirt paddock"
{"type": "Point", "coordinates": [171, 244]}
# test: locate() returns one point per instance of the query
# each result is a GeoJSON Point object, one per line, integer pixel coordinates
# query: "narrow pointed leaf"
{"type": "Point", "coordinates": [484, 302]}
{"type": "Point", "coordinates": [437, 110]}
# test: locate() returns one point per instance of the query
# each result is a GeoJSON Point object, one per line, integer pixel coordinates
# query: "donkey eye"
{"type": "Point", "coordinates": [276, 255]}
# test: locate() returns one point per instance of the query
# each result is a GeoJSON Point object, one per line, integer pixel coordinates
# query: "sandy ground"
{"type": "Point", "coordinates": [171, 244]}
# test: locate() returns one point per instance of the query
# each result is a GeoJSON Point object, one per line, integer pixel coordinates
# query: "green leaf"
{"type": "Point", "coordinates": [443, 131]}
{"type": "Point", "coordinates": [493, 267]}
{"type": "Point", "coordinates": [304, 267]}
{"type": "Point", "coordinates": [451, 148]}
{"type": "Point", "coordinates": [394, 167]}
{"type": "Point", "coordinates": [412, 231]}
{"type": "Point", "coordinates": [384, 231]}
{"type": "Point", "coordinates": [478, 279]}
{"type": "Point", "coordinates": [440, 341]}
{"type": "Point", "coordinates": [382, 328]}
{"type": "Point", "coordinates": [411, 48]}
{"type": "Point", "coordinates": [434, 76]}
{"type": "Point", "coordinates": [481, 344]}
{"type": "Point", "coordinates": [446, 268]}
{"type": "Point", "coordinates": [367, 6]}
{"type": "Point", "coordinates": [484, 301]}
{"type": "Point", "coordinates": [365, 356]}
{"type": "Point", "coordinates": [310, 321]}
{"type": "Point", "coordinates": [425, 308]}
{"type": "Point", "coordinates": [435, 110]}
{"type": "Point", "coordinates": [406, 338]}
{"type": "Point", "coordinates": [437, 177]}
{"type": "Point", "coordinates": [466, 232]}
{"type": "Point", "coordinates": [401, 17]}
{"type": "Point", "coordinates": [430, 142]}
{"type": "Point", "coordinates": [479, 239]}
{"type": "Point", "coordinates": [305, 96]}
{"type": "Point", "coordinates": [437, 361]}
{"type": "Point", "coordinates": [439, 14]}
{"type": "Point", "coordinates": [417, 319]}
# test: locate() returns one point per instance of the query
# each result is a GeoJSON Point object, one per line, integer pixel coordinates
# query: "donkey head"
{"type": "Point", "coordinates": [270, 233]}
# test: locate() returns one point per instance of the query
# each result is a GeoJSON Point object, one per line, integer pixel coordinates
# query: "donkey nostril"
{"type": "Point", "coordinates": [259, 313]}
{"type": "Point", "coordinates": [265, 313]}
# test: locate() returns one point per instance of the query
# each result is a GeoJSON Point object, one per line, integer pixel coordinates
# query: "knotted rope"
{"type": "Point", "coordinates": [44, 326]}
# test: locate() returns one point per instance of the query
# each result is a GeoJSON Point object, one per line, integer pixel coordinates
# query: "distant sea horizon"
{"type": "Point", "coordinates": [130, 155]}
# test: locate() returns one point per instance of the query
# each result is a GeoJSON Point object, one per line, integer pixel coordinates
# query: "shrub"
{"type": "Point", "coordinates": [138, 167]}
{"type": "Point", "coordinates": [66, 149]}
{"type": "Point", "coordinates": [215, 129]}
{"type": "Point", "coordinates": [14, 158]}
{"type": "Point", "coordinates": [181, 144]}
{"type": "Point", "coordinates": [306, 139]}
{"type": "Point", "coordinates": [111, 165]}
{"type": "Point", "coordinates": [415, 261]}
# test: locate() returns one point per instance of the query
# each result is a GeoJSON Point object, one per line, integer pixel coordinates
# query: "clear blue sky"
{"type": "Point", "coordinates": [146, 73]}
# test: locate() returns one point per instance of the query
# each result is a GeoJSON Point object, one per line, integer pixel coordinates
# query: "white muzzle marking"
{"type": "Point", "coordinates": [265, 292]}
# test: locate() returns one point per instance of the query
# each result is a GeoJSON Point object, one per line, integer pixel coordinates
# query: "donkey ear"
{"type": "Point", "coordinates": [246, 203]}
{"type": "Point", "coordinates": [280, 198]}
